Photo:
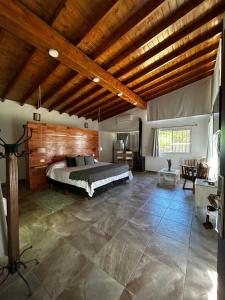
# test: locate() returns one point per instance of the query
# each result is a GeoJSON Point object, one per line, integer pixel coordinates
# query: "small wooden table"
{"type": "Point", "coordinates": [169, 177]}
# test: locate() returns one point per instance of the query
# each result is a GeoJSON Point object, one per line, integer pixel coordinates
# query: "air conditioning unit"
{"type": "Point", "coordinates": [124, 118]}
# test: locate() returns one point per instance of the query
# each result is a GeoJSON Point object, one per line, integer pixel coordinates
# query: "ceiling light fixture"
{"type": "Point", "coordinates": [53, 53]}
{"type": "Point", "coordinates": [120, 94]}
{"type": "Point", "coordinates": [96, 79]}
{"type": "Point", "coordinates": [135, 103]}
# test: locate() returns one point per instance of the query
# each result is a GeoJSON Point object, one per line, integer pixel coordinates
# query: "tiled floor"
{"type": "Point", "coordinates": [134, 241]}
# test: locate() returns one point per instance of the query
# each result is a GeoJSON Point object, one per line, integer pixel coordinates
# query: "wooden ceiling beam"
{"type": "Point", "coordinates": [132, 21]}
{"type": "Point", "coordinates": [33, 30]}
{"type": "Point", "coordinates": [180, 63]}
{"type": "Point", "coordinates": [15, 79]}
{"type": "Point", "coordinates": [84, 82]}
{"type": "Point", "coordinates": [165, 23]}
{"type": "Point", "coordinates": [85, 95]}
{"type": "Point", "coordinates": [181, 78]}
{"type": "Point", "coordinates": [115, 113]}
{"type": "Point", "coordinates": [184, 9]}
{"type": "Point", "coordinates": [111, 109]}
{"type": "Point", "coordinates": [168, 57]}
{"type": "Point", "coordinates": [105, 105]}
{"type": "Point", "coordinates": [181, 84]}
{"type": "Point", "coordinates": [209, 34]}
{"type": "Point", "coordinates": [180, 34]}
{"type": "Point", "coordinates": [179, 73]}
{"type": "Point", "coordinates": [97, 102]}
{"type": "Point", "coordinates": [69, 79]}
{"type": "Point", "coordinates": [116, 35]}
{"type": "Point", "coordinates": [84, 100]}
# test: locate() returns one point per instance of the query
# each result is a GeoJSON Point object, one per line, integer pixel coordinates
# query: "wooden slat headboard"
{"type": "Point", "coordinates": [59, 142]}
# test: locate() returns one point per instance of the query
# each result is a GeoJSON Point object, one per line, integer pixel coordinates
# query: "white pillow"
{"type": "Point", "coordinates": [57, 165]}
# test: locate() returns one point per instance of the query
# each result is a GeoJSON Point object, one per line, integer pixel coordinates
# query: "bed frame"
{"type": "Point", "coordinates": [58, 142]}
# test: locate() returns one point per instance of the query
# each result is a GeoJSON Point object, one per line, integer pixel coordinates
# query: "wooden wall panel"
{"type": "Point", "coordinates": [59, 142]}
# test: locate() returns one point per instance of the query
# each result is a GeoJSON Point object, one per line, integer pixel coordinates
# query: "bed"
{"type": "Point", "coordinates": [88, 177]}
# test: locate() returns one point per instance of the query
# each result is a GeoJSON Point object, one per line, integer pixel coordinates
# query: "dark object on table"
{"type": "Point", "coordinates": [169, 164]}
{"type": "Point", "coordinates": [207, 224]}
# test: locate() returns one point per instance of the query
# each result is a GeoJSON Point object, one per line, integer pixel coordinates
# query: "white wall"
{"type": "Point", "coordinates": [199, 135]}
{"type": "Point", "coordinates": [13, 116]}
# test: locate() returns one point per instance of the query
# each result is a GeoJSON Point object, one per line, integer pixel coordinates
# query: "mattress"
{"type": "Point", "coordinates": [62, 174]}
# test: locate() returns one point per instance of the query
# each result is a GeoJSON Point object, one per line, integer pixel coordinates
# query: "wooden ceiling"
{"type": "Point", "coordinates": [142, 48]}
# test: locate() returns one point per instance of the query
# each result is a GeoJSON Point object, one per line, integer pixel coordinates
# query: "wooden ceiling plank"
{"type": "Point", "coordinates": [114, 113]}
{"type": "Point", "coordinates": [91, 24]}
{"type": "Point", "coordinates": [79, 103]}
{"type": "Point", "coordinates": [132, 21]}
{"type": "Point", "coordinates": [74, 100]}
{"type": "Point", "coordinates": [32, 29]}
{"type": "Point", "coordinates": [108, 110]}
{"type": "Point", "coordinates": [168, 57]}
{"type": "Point", "coordinates": [68, 94]}
{"type": "Point", "coordinates": [105, 101]}
{"type": "Point", "coordinates": [181, 84]}
{"type": "Point", "coordinates": [177, 65]}
{"type": "Point", "coordinates": [108, 104]}
{"type": "Point", "coordinates": [179, 73]}
{"type": "Point", "coordinates": [165, 23]}
{"type": "Point", "coordinates": [207, 50]}
{"type": "Point", "coordinates": [189, 74]}
{"type": "Point", "coordinates": [181, 77]}
{"type": "Point", "coordinates": [15, 79]}
{"type": "Point", "coordinates": [170, 20]}
{"type": "Point", "coordinates": [172, 55]}
{"type": "Point", "coordinates": [185, 31]}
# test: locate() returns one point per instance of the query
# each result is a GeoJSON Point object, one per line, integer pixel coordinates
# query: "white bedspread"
{"type": "Point", "coordinates": [62, 174]}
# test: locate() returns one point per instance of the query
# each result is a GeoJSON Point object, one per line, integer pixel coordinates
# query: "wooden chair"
{"type": "Point", "coordinates": [119, 156]}
{"type": "Point", "coordinates": [192, 170]}
{"type": "Point", "coordinates": [129, 159]}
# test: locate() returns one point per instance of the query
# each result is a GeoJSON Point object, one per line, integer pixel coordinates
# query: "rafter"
{"type": "Point", "coordinates": [140, 86]}
{"type": "Point", "coordinates": [168, 21]}
{"type": "Point", "coordinates": [33, 53]}
{"type": "Point", "coordinates": [181, 84]}
{"type": "Point", "coordinates": [191, 44]}
{"type": "Point", "coordinates": [32, 29]}
{"type": "Point", "coordinates": [107, 104]}
{"type": "Point", "coordinates": [177, 74]}
{"type": "Point", "coordinates": [170, 56]}
{"type": "Point", "coordinates": [184, 9]}
{"type": "Point", "coordinates": [183, 77]}
{"type": "Point", "coordinates": [78, 40]}
{"type": "Point", "coordinates": [180, 34]}
{"type": "Point", "coordinates": [109, 110]}
{"type": "Point", "coordinates": [114, 112]}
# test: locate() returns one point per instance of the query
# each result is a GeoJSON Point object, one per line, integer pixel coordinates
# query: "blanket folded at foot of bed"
{"type": "Point", "coordinates": [99, 172]}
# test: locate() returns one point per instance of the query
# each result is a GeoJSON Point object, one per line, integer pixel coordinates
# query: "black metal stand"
{"type": "Point", "coordinates": [14, 256]}
{"type": "Point", "coordinates": [16, 269]}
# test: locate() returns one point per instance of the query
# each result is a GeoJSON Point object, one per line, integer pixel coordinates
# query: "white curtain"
{"type": "Point", "coordinates": [3, 226]}
{"type": "Point", "coordinates": [155, 142]}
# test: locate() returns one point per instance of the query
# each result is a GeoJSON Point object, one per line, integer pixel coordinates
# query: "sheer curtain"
{"type": "Point", "coordinates": [155, 142]}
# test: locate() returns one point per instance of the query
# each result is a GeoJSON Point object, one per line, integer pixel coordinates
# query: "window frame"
{"type": "Point", "coordinates": [175, 129]}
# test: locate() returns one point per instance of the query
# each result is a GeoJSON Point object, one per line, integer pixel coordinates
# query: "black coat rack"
{"type": "Point", "coordinates": [11, 153]}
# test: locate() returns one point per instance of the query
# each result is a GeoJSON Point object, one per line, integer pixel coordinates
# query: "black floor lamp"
{"type": "Point", "coordinates": [11, 153]}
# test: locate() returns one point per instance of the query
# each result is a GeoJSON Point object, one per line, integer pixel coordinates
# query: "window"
{"type": "Point", "coordinates": [174, 141]}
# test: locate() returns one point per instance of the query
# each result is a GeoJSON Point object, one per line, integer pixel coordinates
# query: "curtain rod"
{"type": "Point", "coordinates": [192, 125]}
